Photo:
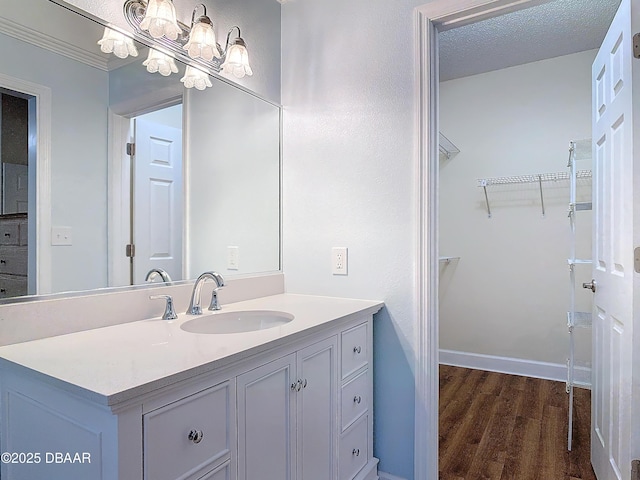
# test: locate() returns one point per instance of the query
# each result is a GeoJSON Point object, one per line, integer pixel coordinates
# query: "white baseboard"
{"type": "Point", "coordinates": [516, 366]}
{"type": "Point", "coordinates": [388, 476]}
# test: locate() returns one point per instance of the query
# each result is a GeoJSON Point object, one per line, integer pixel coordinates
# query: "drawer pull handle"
{"type": "Point", "coordinates": [357, 349]}
{"type": "Point", "coordinates": [357, 399]}
{"type": "Point", "coordinates": [196, 436]}
{"type": "Point", "coordinates": [4, 262]}
{"type": "Point", "coordinates": [7, 235]}
{"type": "Point", "coordinates": [356, 452]}
{"type": "Point", "coordinates": [3, 290]}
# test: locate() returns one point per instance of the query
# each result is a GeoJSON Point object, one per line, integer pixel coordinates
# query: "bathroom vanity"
{"type": "Point", "coordinates": [151, 400]}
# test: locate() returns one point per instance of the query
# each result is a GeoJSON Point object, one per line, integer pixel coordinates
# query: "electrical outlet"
{"type": "Point", "coordinates": [232, 257]}
{"type": "Point", "coordinates": [339, 260]}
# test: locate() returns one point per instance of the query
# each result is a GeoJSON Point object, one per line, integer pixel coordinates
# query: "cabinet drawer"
{"type": "Point", "coordinates": [170, 450]}
{"type": "Point", "coordinates": [354, 449]}
{"type": "Point", "coordinates": [13, 260]}
{"type": "Point", "coordinates": [9, 233]}
{"type": "Point", "coordinates": [355, 399]}
{"type": "Point", "coordinates": [12, 286]}
{"type": "Point", "coordinates": [354, 353]}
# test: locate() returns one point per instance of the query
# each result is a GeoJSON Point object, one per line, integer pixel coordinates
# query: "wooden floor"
{"type": "Point", "coordinates": [497, 426]}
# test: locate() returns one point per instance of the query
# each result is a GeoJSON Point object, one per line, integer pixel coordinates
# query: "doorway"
{"type": "Point", "coordinates": [146, 204]}
{"type": "Point", "coordinates": [438, 14]}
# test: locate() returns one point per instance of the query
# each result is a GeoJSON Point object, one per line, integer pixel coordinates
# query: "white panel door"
{"type": "Point", "coordinates": [158, 205]}
{"type": "Point", "coordinates": [615, 162]}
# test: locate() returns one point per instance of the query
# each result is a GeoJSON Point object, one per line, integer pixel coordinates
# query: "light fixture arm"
{"type": "Point", "coordinates": [226, 47]}
{"type": "Point", "coordinates": [203, 16]}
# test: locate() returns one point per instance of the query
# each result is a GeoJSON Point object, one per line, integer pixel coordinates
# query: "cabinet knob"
{"type": "Point", "coordinates": [296, 386]}
{"type": "Point", "coordinates": [357, 349]}
{"type": "Point", "coordinates": [356, 452]}
{"type": "Point", "coordinates": [196, 436]}
{"type": "Point", "coordinates": [357, 399]}
{"type": "Point", "coordinates": [304, 383]}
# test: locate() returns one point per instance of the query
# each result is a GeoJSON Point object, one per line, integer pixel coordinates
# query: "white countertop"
{"type": "Point", "coordinates": [114, 364]}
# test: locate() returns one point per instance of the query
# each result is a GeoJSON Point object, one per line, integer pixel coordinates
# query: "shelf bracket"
{"type": "Point", "coordinates": [541, 195]}
{"type": "Point", "coordinates": [483, 184]}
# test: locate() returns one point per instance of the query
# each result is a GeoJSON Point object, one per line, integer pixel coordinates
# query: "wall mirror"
{"type": "Point", "coordinates": [200, 191]}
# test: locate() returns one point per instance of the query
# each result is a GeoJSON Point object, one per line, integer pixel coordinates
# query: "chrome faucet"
{"type": "Point", "coordinates": [194, 303]}
{"type": "Point", "coordinates": [151, 274]}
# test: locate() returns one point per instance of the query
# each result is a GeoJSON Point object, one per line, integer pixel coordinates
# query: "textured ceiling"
{"type": "Point", "coordinates": [545, 31]}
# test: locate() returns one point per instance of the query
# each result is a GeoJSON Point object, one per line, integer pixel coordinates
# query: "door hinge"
{"type": "Point", "coordinates": [636, 45]}
{"type": "Point", "coordinates": [131, 149]}
{"type": "Point", "coordinates": [636, 259]}
{"type": "Point", "coordinates": [131, 250]}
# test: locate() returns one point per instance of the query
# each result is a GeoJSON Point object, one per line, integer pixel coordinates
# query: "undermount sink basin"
{"type": "Point", "coordinates": [236, 322]}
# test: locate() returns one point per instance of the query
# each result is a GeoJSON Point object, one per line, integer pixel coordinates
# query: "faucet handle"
{"type": "Point", "coordinates": [215, 304]}
{"type": "Point", "coordinates": [169, 312]}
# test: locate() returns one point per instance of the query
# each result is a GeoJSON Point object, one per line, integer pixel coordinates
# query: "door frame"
{"type": "Point", "coordinates": [39, 241]}
{"type": "Point", "coordinates": [119, 188]}
{"type": "Point", "coordinates": [435, 16]}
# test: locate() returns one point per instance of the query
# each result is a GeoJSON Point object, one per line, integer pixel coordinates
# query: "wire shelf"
{"type": "Point", "coordinates": [534, 178]}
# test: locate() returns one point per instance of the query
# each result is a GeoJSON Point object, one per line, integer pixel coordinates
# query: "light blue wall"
{"type": "Point", "coordinates": [78, 158]}
{"type": "Point", "coordinates": [349, 180]}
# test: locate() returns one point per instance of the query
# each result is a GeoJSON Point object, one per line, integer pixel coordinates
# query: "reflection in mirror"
{"type": "Point", "coordinates": [200, 191]}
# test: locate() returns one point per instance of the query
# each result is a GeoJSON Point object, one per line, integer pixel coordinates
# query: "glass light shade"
{"type": "Point", "coordinates": [160, 62]}
{"type": "Point", "coordinates": [202, 41]}
{"type": "Point", "coordinates": [237, 60]}
{"type": "Point", "coordinates": [196, 78]}
{"type": "Point", "coordinates": [117, 43]}
{"type": "Point", "coordinates": [160, 19]}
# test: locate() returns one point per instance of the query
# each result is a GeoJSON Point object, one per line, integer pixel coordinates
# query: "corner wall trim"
{"type": "Point", "coordinates": [388, 476]}
{"type": "Point", "coordinates": [515, 366]}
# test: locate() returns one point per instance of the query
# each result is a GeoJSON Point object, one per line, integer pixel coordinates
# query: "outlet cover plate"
{"type": "Point", "coordinates": [339, 260]}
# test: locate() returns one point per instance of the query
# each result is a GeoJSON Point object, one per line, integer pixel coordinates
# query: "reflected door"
{"type": "Point", "coordinates": [157, 211]}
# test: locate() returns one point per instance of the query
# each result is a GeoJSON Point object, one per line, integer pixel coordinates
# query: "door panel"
{"type": "Point", "coordinates": [613, 169]}
{"type": "Point", "coordinates": [157, 213]}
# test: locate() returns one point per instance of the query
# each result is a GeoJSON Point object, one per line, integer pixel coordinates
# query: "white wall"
{"type": "Point", "coordinates": [78, 158]}
{"type": "Point", "coordinates": [509, 292]}
{"type": "Point", "coordinates": [348, 83]}
{"type": "Point", "coordinates": [232, 171]}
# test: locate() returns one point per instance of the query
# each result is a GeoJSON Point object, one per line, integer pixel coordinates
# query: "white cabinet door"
{"type": "Point", "coordinates": [266, 421]}
{"type": "Point", "coordinates": [316, 411]}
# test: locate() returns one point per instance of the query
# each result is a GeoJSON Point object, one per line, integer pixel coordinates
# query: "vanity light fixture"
{"type": "Point", "coordinates": [160, 19]}
{"type": "Point", "coordinates": [198, 40]}
{"type": "Point", "coordinates": [202, 38]}
{"type": "Point", "coordinates": [237, 58]}
{"type": "Point", "coordinates": [160, 62]}
{"type": "Point", "coordinates": [194, 77]}
{"type": "Point", "coordinates": [117, 43]}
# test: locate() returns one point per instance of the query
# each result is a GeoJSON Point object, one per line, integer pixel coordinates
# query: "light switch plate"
{"type": "Point", "coordinates": [233, 253]}
{"type": "Point", "coordinates": [61, 236]}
